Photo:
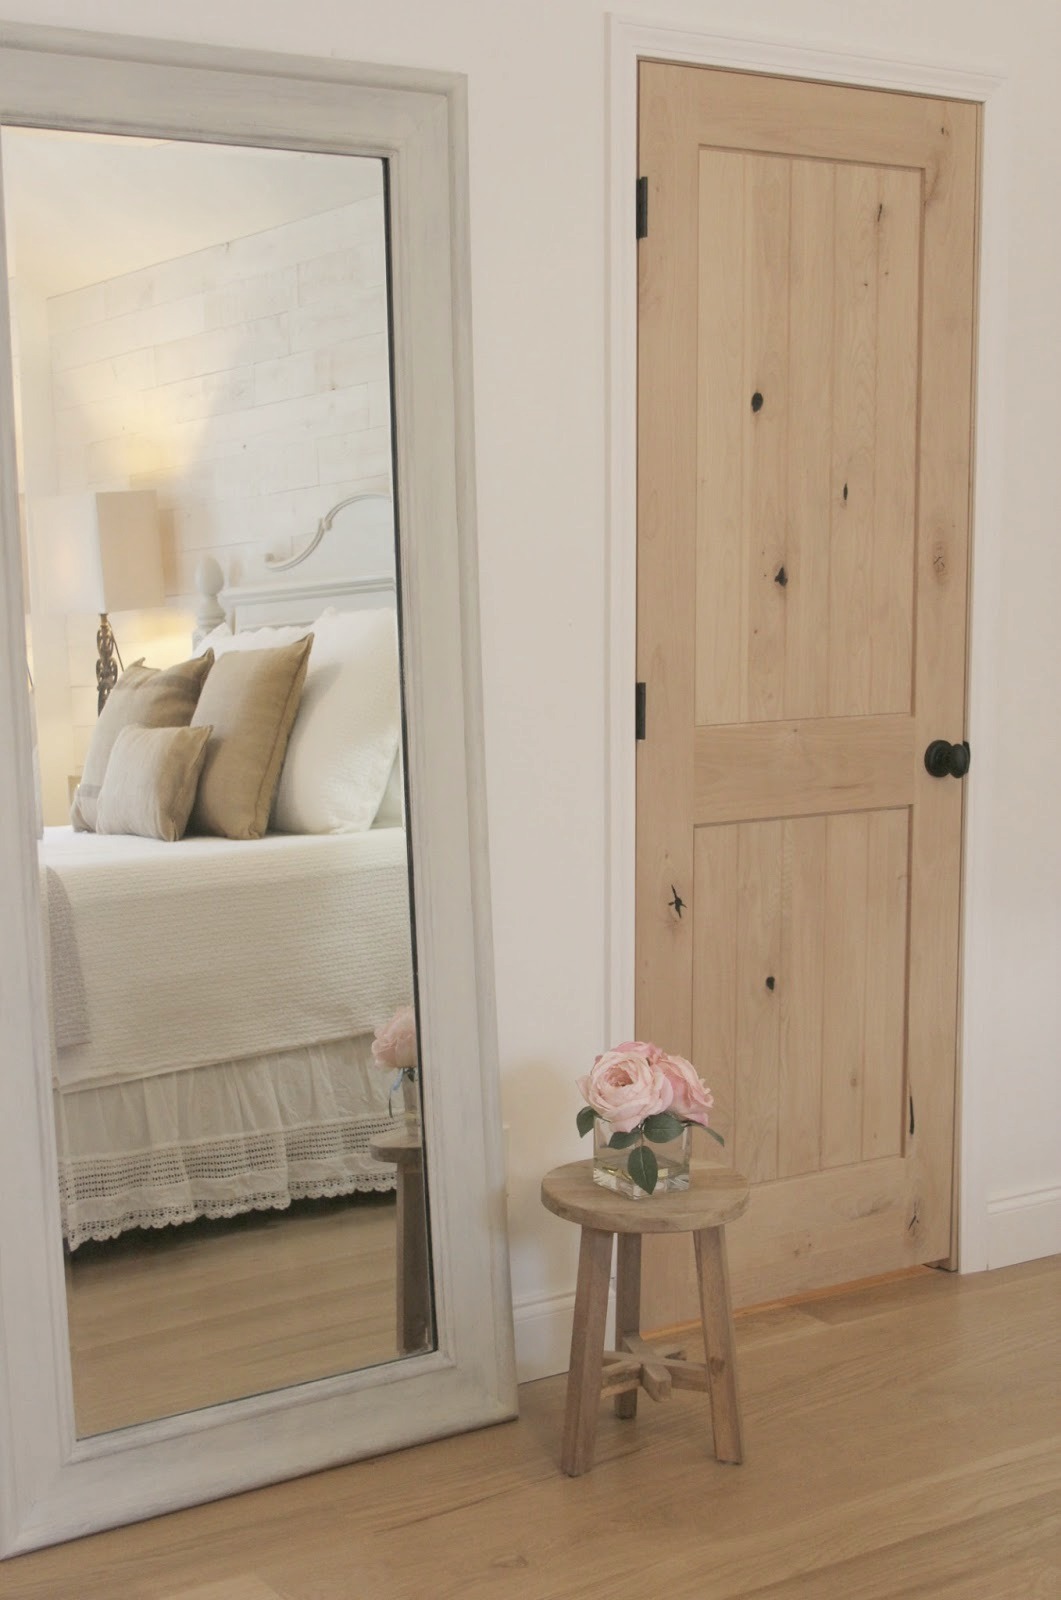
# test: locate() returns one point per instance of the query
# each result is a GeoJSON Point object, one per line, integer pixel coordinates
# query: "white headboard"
{"type": "Point", "coordinates": [320, 575]}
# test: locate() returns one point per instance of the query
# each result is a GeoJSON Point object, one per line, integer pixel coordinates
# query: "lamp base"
{"type": "Point", "coordinates": [106, 666]}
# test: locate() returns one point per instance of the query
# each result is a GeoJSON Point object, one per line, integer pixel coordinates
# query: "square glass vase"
{"type": "Point", "coordinates": [611, 1163]}
{"type": "Point", "coordinates": [404, 1100]}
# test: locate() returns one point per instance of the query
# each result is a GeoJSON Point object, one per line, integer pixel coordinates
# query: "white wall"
{"type": "Point", "coordinates": [246, 383]}
{"type": "Point", "coordinates": [52, 704]}
{"type": "Point", "coordinates": [537, 85]}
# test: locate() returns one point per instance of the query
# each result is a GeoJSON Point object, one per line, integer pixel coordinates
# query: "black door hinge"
{"type": "Point", "coordinates": [642, 208]}
{"type": "Point", "coordinates": [639, 712]}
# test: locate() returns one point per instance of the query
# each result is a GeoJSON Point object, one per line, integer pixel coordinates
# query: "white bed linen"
{"type": "Point", "coordinates": [224, 1139]}
{"type": "Point", "coordinates": [213, 950]}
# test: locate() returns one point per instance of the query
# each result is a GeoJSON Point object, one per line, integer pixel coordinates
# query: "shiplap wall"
{"type": "Point", "coordinates": [246, 383]}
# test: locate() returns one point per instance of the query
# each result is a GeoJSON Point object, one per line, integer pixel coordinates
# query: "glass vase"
{"type": "Point", "coordinates": [405, 1101]}
{"type": "Point", "coordinates": [611, 1162]}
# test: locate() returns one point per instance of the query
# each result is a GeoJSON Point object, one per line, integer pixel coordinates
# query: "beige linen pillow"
{"type": "Point", "coordinates": [150, 783]}
{"type": "Point", "coordinates": [149, 698]}
{"type": "Point", "coordinates": [250, 700]}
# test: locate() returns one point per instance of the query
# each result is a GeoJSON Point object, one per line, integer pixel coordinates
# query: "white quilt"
{"type": "Point", "coordinates": [211, 949]}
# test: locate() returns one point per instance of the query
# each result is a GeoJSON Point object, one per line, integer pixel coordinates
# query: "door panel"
{"type": "Point", "coordinates": [805, 370]}
{"type": "Point", "coordinates": [801, 931]}
{"type": "Point", "coordinates": [803, 254]}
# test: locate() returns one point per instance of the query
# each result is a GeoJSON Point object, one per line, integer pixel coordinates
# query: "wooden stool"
{"type": "Point", "coordinates": [406, 1152]}
{"type": "Point", "coordinates": [715, 1196]}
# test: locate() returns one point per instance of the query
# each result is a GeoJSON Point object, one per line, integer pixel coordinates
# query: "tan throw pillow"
{"type": "Point", "coordinates": [250, 700]}
{"type": "Point", "coordinates": [149, 698]}
{"type": "Point", "coordinates": [150, 783]}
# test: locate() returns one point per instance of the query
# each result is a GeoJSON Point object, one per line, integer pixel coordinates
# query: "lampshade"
{"type": "Point", "coordinates": [99, 551]}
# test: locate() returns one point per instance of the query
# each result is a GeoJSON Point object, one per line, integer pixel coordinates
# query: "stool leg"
{"type": "Point", "coordinates": [627, 1307]}
{"type": "Point", "coordinates": [587, 1352]}
{"type": "Point", "coordinates": [414, 1278]}
{"type": "Point", "coordinates": [716, 1312]}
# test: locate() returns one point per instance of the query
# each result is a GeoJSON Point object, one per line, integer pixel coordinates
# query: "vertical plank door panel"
{"type": "Point", "coordinates": [805, 341]}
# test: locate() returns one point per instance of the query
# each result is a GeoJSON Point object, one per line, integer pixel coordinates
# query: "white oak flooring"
{"type": "Point", "coordinates": [902, 1440]}
{"type": "Point", "coordinates": [187, 1317]}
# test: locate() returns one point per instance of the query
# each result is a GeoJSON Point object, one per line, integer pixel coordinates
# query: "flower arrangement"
{"type": "Point", "coordinates": [646, 1097]}
{"type": "Point", "coordinates": [394, 1048]}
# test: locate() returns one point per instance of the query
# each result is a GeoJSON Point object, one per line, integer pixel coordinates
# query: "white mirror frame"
{"type": "Point", "coordinates": [54, 1486]}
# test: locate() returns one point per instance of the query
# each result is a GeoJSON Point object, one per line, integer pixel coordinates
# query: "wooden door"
{"type": "Point", "coordinates": [806, 298]}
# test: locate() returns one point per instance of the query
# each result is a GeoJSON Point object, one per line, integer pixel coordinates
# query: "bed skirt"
{"type": "Point", "coordinates": [221, 1139]}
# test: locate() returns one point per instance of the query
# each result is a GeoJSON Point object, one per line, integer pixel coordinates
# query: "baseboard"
{"type": "Point", "coordinates": [1023, 1227]}
{"type": "Point", "coordinates": [543, 1334]}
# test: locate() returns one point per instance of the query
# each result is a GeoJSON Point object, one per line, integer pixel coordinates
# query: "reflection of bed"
{"type": "Point", "coordinates": [214, 1000]}
{"type": "Point", "coordinates": [215, 1055]}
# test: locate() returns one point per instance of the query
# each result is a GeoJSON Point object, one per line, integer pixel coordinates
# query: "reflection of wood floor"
{"type": "Point", "coordinates": [183, 1317]}
{"type": "Point", "coordinates": [903, 1443]}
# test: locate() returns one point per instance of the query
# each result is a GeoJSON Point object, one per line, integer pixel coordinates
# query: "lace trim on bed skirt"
{"type": "Point", "coordinates": [170, 1184]}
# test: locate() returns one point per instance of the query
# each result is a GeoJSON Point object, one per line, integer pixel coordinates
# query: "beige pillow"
{"type": "Point", "coordinates": [250, 700]}
{"type": "Point", "coordinates": [149, 698]}
{"type": "Point", "coordinates": [150, 783]}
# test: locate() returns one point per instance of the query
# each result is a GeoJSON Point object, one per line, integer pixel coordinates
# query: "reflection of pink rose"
{"type": "Point", "coordinates": [394, 1046]}
{"type": "Point", "coordinates": [692, 1098]}
{"type": "Point", "coordinates": [624, 1086]}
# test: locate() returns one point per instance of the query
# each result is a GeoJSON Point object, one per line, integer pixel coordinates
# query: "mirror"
{"type": "Point", "coordinates": [221, 1262]}
{"type": "Point", "coordinates": [202, 366]}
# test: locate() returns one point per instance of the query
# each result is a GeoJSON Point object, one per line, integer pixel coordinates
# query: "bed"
{"type": "Point", "coordinates": [215, 1000]}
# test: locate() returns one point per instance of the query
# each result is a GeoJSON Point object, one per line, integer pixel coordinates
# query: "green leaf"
{"type": "Point", "coordinates": [715, 1135]}
{"type": "Point", "coordinates": [585, 1120]}
{"type": "Point", "coordinates": [643, 1168]}
{"type": "Point", "coordinates": [663, 1127]}
{"type": "Point", "coordinates": [623, 1141]}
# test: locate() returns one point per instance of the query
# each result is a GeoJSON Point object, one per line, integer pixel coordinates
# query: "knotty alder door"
{"type": "Point", "coordinates": [806, 295]}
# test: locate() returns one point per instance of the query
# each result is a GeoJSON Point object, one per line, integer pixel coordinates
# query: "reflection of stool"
{"type": "Point", "coordinates": [715, 1196]}
{"type": "Point", "coordinates": [406, 1152]}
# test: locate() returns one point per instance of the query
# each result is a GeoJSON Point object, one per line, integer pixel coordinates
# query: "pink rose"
{"type": "Point", "coordinates": [624, 1087]}
{"type": "Point", "coordinates": [637, 1047]}
{"type": "Point", "coordinates": [691, 1098]}
{"type": "Point", "coordinates": [394, 1045]}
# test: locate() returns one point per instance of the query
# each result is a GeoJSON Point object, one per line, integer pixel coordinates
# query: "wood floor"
{"type": "Point", "coordinates": [902, 1439]}
{"type": "Point", "coordinates": [168, 1321]}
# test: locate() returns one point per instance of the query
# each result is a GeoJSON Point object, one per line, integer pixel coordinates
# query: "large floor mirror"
{"type": "Point", "coordinates": [253, 1203]}
{"type": "Point", "coordinates": [201, 347]}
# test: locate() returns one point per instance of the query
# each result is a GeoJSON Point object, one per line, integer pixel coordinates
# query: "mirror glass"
{"type": "Point", "coordinates": [201, 357]}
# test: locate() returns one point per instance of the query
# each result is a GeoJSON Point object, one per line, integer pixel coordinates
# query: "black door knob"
{"type": "Point", "coordinates": [946, 760]}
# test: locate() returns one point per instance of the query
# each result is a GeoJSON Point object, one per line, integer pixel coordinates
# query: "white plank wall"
{"type": "Point", "coordinates": [246, 383]}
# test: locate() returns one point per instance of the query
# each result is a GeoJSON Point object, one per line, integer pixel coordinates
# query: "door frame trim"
{"type": "Point", "coordinates": [630, 42]}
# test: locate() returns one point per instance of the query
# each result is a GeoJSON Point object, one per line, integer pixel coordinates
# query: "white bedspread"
{"type": "Point", "coordinates": [211, 949]}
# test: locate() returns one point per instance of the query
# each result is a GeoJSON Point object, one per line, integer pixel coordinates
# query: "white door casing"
{"type": "Point", "coordinates": [629, 43]}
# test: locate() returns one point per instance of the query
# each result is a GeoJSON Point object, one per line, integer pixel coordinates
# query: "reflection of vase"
{"type": "Point", "coordinates": [410, 1100]}
{"type": "Point", "coordinates": [611, 1164]}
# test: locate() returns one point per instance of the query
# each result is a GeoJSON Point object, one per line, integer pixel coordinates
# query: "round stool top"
{"type": "Point", "coordinates": [402, 1149]}
{"type": "Point", "coordinates": [715, 1195]}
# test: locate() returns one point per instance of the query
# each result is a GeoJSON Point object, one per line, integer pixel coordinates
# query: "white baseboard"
{"type": "Point", "coordinates": [1023, 1227]}
{"type": "Point", "coordinates": [543, 1334]}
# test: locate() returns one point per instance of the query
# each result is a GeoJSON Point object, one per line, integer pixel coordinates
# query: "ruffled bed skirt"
{"type": "Point", "coordinates": [222, 1139]}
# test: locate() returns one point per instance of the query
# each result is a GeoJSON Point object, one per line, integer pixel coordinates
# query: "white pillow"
{"type": "Point", "coordinates": [391, 813]}
{"type": "Point", "coordinates": [215, 640]}
{"type": "Point", "coordinates": [222, 639]}
{"type": "Point", "coordinates": [345, 738]}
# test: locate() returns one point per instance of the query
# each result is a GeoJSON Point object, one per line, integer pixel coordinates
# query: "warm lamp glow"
{"type": "Point", "coordinates": [99, 552]}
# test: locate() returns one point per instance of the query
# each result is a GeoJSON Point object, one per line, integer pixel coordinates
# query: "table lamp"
{"type": "Point", "coordinates": [99, 551]}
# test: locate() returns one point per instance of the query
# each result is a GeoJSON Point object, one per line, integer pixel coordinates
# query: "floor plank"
{"type": "Point", "coordinates": [169, 1321]}
{"type": "Point", "coordinates": [903, 1440]}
